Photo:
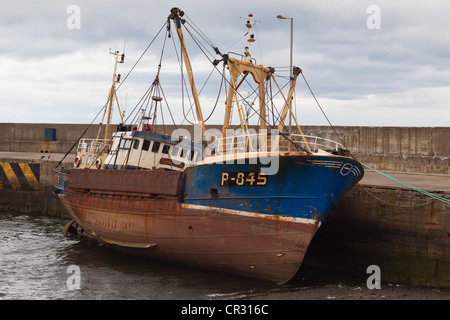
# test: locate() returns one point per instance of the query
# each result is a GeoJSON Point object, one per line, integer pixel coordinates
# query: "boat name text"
{"type": "Point", "coordinates": [231, 179]}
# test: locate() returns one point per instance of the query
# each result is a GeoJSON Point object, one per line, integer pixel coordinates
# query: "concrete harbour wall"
{"type": "Point", "coordinates": [405, 233]}
{"type": "Point", "coordinates": [31, 137]}
{"type": "Point", "coordinates": [404, 149]}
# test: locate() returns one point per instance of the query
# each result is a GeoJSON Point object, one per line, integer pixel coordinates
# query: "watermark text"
{"type": "Point", "coordinates": [73, 21]}
{"type": "Point", "coordinates": [374, 280]}
{"type": "Point", "coordinates": [74, 280]}
{"type": "Point", "coordinates": [373, 22]}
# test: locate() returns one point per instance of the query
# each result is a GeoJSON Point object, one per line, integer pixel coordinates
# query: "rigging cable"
{"type": "Point", "coordinates": [76, 142]}
{"type": "Point", "coordinates": [105, 105]}
{"type": "Point", "coordinates": [167, 105]}
{"type": "Point", "coordinates": [429, 194]}
{"type": "Point", "coordinates": [183, 82]}
{"type": "Point", "coordinates": [201, 47]}
{"type": "Point", "coordinates": [392, 204]}
{"type": "Point", "coordinates": [320, 107]}
{"type": "Point", "coordinates": [139, 59]}
{"type": "Point", "coordinates": [258, 42]}
{"type": "Point", "coordinates": [157, 75]}
{"type": "Point", "coordinates": [218, 96]}
{"type": "Point", "coordinates": [200, 33]}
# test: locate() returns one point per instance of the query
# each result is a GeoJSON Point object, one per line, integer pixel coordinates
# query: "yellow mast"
{"type": "Point", "coordinates": [259, 73]}
{"type": "Point", "coordinates": [111, 97]}
{"type": "Point", "coordinates": [176, 15]}
{"type": "Point", "coordinates": [287, 107]}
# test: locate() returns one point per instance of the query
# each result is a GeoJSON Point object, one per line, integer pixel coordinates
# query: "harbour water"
{"type": "Point", "coordinates": [37, 262]}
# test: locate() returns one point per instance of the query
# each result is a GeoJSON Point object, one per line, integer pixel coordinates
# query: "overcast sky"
{"type": "Point", "coordinates": [369, 63]}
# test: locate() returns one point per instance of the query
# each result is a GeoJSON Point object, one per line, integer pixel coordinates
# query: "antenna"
{"type": "Point", "coordinates": [124, 109]}
{"type": "Point", "coordinates": [250, 38]}
{"type": "Point", "coordinates": [124, 44]}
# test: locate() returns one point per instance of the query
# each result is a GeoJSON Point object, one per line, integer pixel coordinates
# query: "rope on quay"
{"type": "Point", "coordinates": [429, 194]}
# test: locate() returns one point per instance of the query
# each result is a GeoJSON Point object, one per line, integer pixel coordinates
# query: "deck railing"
{"type": "Point", "coordinates": [258, 142]}
{"type": "Point", "coordinates": [95, 146]}
{"type": "Point", "coordinates": [315, 143]}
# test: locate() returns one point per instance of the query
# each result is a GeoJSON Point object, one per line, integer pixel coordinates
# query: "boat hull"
{"type": "Point", "coordinates": [159, 214]}
{"type": "Point", "coordinates": [205, 237]}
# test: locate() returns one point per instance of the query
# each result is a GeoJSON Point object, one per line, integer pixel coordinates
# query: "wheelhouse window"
{"type": "Point", "coordinates": [136, 144]}
{"type": "Point", "coordinates": [155, 147]}
{"type": "Point", "coordinates": [166, 148]}
{"type": "Point", "coordinates": [175, 151]}
{"type": "Point", "coordinates": [126, 144]}
{"type": "Point", "coordinates": [146, 145]}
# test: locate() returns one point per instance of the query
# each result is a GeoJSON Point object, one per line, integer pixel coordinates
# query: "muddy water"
{"type": "Point", "coordinates": [38, 262]}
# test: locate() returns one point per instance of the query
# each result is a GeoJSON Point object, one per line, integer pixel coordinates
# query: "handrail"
{"type": "Point", "coordinates": [259, 142]}
{"type": "Point", "coordinates": [317, 143]}
{"type": "Point", "coordinates": [93, 145]}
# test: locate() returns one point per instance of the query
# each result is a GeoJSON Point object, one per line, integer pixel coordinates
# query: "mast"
{"type": "Point", "coordinates": [260, 75]}
{"type": "Point", "coordinates": [287, 107]}
{"type": "Point", "coordinates": [176, 15]}
{"type": "Point", "coordinates": [111, 97]}
{"type": "Point", "coordinates": [245, 67]}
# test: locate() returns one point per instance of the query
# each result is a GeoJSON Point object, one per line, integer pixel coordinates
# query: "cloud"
{"type": "Point", "coordinates": [395, 75]}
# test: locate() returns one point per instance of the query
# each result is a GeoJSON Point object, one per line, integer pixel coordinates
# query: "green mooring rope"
{"type": "Point", "coordinates": [429, 194]}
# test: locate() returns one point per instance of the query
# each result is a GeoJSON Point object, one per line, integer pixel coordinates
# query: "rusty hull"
{"type": "Point", "coordinates": [156, 225]}
{"type": "Point", "coordinates": [160, 182]}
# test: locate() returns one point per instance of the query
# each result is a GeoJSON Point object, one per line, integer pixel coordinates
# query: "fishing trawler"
{"type": "Point", "coordinates": [241, 201]}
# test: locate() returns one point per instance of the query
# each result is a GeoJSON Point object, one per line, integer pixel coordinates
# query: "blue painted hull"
{"type": "Point", "coordinates": [305, 186]}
